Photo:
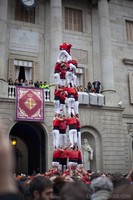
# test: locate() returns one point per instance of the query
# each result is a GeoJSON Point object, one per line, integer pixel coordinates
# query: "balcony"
{"type": "Point", "coordinates": [9, 91]}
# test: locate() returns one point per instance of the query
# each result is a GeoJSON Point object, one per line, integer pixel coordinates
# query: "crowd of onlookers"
{"type": "Point", "coordinates": [71, 184]}
{"type": "Point", "coordinates": [93, 87]}
{"type": "Point", "coordinates": [76, 184]}
{"type": "Point", "coordinates": [26, 83]}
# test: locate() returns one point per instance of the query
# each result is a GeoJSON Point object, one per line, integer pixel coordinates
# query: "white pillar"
{"type": "Point", "coordinates": [3, 39]}
{"type": "Point", "coordinates": [106, 53]}
{"type": "Point", "coordinates": [56, 33]}
{"type": "Point", "coordinates": [55, 37]}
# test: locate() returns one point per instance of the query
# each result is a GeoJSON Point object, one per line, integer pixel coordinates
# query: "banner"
{"type": "Point", "coordinates": [29, 104]}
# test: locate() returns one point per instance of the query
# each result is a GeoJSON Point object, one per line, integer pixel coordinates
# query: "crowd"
{"type": "Point", "coordinates": [26, 83]}
{"type": "Point", "coordinates": [72, 184]}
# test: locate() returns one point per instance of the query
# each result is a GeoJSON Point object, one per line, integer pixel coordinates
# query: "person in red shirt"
{"type": "Point", "coordinates": [56, 157]}
{"type": "Point", "coordinates": [63, 158]}
{"type": "Point", "coordinates": [71, 91]}
{"type": "Point", "coordinates": [62, 132]}
{"type": "Point", "coordinates": [63, 75]}
{"type": "Point", "coordinates": [57, 70]}
{"type": "Point", "coordinates": [70, 73]}
{"type": "Point", "coordinates": [55, 132]}
{"type": "Point", "coordinates": [72, 122]}
{"type": "Point", "coordinates": [64, 54]}
{"type": "Point", "coordinates": [74, 157]}
{"type": "Point", "coordinates": [57, 99]}
{"type": "Point", "coordinates": [63, 96]}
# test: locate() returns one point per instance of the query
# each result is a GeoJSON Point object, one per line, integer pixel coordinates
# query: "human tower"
{"type": "Point", "coordinates": [66, 111]}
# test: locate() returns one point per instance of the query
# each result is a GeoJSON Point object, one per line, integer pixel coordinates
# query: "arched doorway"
{"type": "Point", "coordinates": [30, 147]}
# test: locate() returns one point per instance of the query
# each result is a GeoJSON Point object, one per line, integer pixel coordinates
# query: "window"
{"type": "Point", "coordinates": [23, 69]}
{"type": "Point", "coordinates": [73, 19]}
{"type": "Point", "coordinates": [129, 30]}
{"type": "Point", "coordinates": [22, 14]}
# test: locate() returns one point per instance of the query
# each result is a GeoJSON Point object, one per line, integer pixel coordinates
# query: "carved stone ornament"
{"type": "Point", "coordinates": [130, 128]}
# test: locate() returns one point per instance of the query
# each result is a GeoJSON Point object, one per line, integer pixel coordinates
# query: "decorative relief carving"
{"type": "Point", "coordinates": [80, 55]}
{"type": "Point", "coordinates": [130, 128]}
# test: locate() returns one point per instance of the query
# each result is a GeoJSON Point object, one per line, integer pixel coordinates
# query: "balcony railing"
{"type": "Point", "coordinates": [12, 93]}
{"type": "Point", "coordinates": [9, 91]}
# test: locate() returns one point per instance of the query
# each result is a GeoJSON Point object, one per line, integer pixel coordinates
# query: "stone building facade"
{"type": "Point", "coordinates": [101, 34]}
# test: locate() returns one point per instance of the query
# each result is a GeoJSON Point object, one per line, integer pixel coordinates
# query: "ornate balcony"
{"type": "Point", "coordinates": [9, 91]}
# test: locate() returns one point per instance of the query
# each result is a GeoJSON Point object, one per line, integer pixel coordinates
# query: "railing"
{"type": "Point", "coordinates": [12, 93]}
{"type": "Point", "coordinates": [9, 91]}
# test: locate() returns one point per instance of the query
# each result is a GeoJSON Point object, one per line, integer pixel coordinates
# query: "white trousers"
{"type": "Point", "coordinates": [70, 102]}
{"type": "Point", "coordinates": [76, 107]}
{"type": "Point", "coordinates": [73, 136]}
{"type": "Point", "coordinates": [57, 78]}
{"type": "Point", "coordinates": [57, 106]}
{"type": "Point", "coordinates": [62, 109]}
{"type": "Point", "coordinates": [63, 139]}
{"type": "Point", "coordinates": [56, 141]}
{"type": "Point", "coordinates": [79, 139]}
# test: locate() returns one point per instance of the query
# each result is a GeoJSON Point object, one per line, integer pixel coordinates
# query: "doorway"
{"type": "Point", "coordinates": [30, 147]}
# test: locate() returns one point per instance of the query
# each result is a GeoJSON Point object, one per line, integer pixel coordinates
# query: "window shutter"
{"type": "Point", "coordinates": [11, 69]}
{"type": "Point", "coordinates": [131, 86]}
{"type": "Point", "coordinates": [86, 75]}
{"type": "Point", "coordinates": [35, 74]}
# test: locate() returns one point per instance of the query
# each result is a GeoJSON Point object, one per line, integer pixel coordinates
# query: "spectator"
{"type": "Point", "coordinates": [89, 86]}
{"type": "Point", "coordinates": [8, 188]}
{"type": "Point", "coordinates": [10, 81]}
{"type": "Point", "coordinates": [31, 83]}
{"type": "Point", "coordinates": [17, 82]}
{"type": "Point", "coordinates": [102, 188]}
{"type": "Point", "coordinates": [75, 191]}
{"type": "Point", "coordinates": [96, 85]}
{"type": "Point", "coordinates": [26, 83]}
{"type": "Point", "coordinates": [41, 188]}
{"type": "Point", "coordinates": [37, 84]}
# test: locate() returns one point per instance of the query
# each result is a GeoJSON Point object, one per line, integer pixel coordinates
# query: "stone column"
{"type": "Point", "coordinates": [3, 39]}
{"type": "Point", "coordinates": [55, 35]}
{"type": "Point", "coordinates": [106, 54]}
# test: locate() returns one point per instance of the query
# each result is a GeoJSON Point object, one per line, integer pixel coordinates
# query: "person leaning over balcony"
{"type": "Point", "coordinates": [96, 85]}
{"type": "Point", "coordinates": [45, 85]}
{"type": "Point", "coordinates": [10, 81]}
{"type": "Point", "coordinates": [31, 84]}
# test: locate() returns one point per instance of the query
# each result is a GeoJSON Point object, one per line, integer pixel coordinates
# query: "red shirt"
{"type": "Point", "coordinates": [57, 153]}
{"type": "Point", "coordinates": [63, 125]}
{"type": "Point", "coordinates": [63, 74]}
{"type": "Point", "coordinates": [63, 96]}
{"type": "Point", "coordinates": [70, 90]}
{"type": "Point", "coordinates": [64, 154]}
{"type": "Point", "coordinates": [71, 120]}
{"type": "Point", "coordinates": [56, 122]}
{"type": "Point", "coordinates": [73, 154]}
{"type": "Point", "coordinates": [57, 68]}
